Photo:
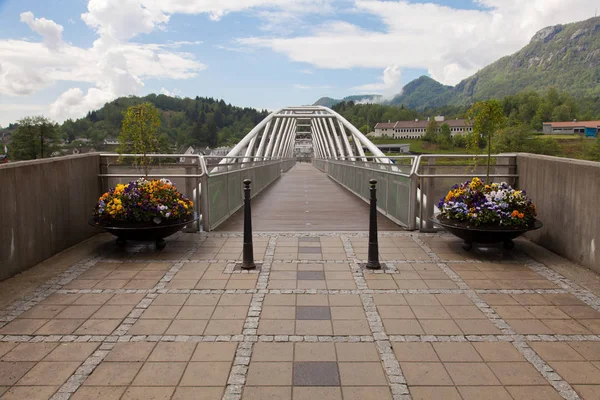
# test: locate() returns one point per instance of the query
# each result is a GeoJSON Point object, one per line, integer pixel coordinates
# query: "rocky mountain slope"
{"type": "Point", "coordinates": [566, 57]}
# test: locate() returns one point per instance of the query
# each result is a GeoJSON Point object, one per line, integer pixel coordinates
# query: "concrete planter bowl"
{"type": "Point", "coordinates": [144, 231]}
{"type": "Point", "coordinates": [483, 234]}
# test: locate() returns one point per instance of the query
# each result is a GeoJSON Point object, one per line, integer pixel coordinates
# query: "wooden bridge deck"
{"type": "Point", "coordinates": [305, 199]}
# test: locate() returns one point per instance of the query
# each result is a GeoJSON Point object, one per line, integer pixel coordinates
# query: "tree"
{"type": "Point", "coordinates": [593, 153]}
{"type": "Point", "coordinates": [487, 117]}
{"type": "Point", "coordinates": [444, 138]}
{"type": "Point", "coordinates": [511, 139]}
{"type": "Point", "coordinates": [36, 137]}
{"type": "Point", "coordinates": [431, 133]}
{"type": "Point", "coordinates": [139, 133]}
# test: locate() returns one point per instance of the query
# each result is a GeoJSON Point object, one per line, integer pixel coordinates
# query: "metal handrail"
{"type": "Point", "coordinates": [198, 186]}
{"type": "Point", "coordinates": [420, 192]}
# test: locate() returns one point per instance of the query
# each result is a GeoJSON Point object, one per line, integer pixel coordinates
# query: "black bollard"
{"type": "Point", "coordinates": [248, 257]}
{"type": "Point", "coordinates": [373, 262]}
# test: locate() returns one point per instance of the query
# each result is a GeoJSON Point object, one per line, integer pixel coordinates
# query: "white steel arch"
{"type": "Point", "coordinates": [333, 136]}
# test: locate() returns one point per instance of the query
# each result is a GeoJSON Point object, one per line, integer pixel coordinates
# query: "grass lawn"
{"type": "Point", "coordinates": [558, 137]}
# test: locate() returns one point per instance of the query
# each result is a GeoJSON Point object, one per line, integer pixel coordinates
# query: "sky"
{"type": "Point", "coordinates": [62, 58]}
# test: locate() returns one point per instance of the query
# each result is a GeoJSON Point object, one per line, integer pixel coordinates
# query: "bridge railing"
{"type": "Point", "coordinates": [214, 184]}
{"type": "Point", "coordinates": [409, 187]}
{"type": "Point", "coordinates": [222, 184]}
{"type": "Point", "coordinates": [395, 187]}
{"type": "Point", "coordinates": [437, 173]}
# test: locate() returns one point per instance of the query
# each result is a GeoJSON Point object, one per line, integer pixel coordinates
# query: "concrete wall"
{"type": "Point", "coordinates": [566, 193]}
{"type": "Point", "coordinates": [44, 208]}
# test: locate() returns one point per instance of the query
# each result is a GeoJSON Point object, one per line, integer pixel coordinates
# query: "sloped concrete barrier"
{"type": "Point", "coordinates": [566, 193]}
{"type": "Point", "coordinates": [44, 208]}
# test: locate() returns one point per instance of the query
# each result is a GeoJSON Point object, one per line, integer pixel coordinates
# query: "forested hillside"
{"type": "Point", "coordinates": [528, 109]}
{"type": "Point", "coordinates": [200, 121]}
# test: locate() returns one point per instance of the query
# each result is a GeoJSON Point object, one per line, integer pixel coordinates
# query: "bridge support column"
{"type": "Point", "coordinates": [373, 261]}
{"type": "Point", "coordinates": [248, 251]}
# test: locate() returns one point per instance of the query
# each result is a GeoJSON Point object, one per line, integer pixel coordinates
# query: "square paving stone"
{"type": "Point", "coordinates": [30, 393]}
{"type": "Point", "coordinates": [309, 239]}
{"type": "Point", "coordinates": [310, 275]}
{"type": "Point", "coordinates": [11, 372]}
{"type": "Point", "coordinates": [160, 374]}
{"type": "Point", "coordinates": [146, 392]}
{"type": "Point", "coordinates": [206, 374]}
{"type": "Point", "coordinates": [309, 373]}
{"type": "Point", "coordinates": [99, 393]}
{"type": "Point", "coordinates": [269, 374]}
{"type": "Point", "coordinates": [309, 250]}
{"type": "Point", "coordinates": [313, 313]}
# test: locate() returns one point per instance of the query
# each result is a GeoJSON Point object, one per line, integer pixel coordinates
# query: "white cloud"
{"type": "Point", "coordinates": [309, 87]}
{"type": "Point", "coordinates": [389, 86]}
{"type": "Point", "coordinates": [122, 19]}
{"type": "Point", "coordinates": [49, 30]}
{"type": "Point", "coordinates": [217, 9]}
{"type": "Point", "coordinates": [74, 103]}
{"type": "Point", "coordinates": [172, 93]}
{"type": "Point", "coordinates": [114, 66]}
{"type": "Point", "coordinates": [450, 43]}
{"type": "Point", "coordinates": [10, 113]}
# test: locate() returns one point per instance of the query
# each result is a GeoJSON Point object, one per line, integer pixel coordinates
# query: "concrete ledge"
{"type": "Point", "coordinates": [45, 207]}
{"type": "Point", "coordinates": [566, 193]}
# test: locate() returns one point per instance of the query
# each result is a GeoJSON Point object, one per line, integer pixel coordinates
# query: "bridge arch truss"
{"type": "Point", "coordinates": [333, 137]}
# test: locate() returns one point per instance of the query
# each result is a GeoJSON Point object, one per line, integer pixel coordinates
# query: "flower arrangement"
{"type": "Point", "coordinates": [144, 201]}
{"type": "Point", "coordinates": [493, 204]}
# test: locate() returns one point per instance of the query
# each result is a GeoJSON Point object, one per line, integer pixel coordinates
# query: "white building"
{"type": "Point", "coordinates": [416, 129]}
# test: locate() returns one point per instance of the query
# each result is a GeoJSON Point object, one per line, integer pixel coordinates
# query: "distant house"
{"type": "Point", "coordinates": [111, 141]}
{"type": "Point", "coordinates": [393, 148]}
{"type": "Point", "coordinates": [5, 137]}
{"type": "Point", "coordinates": [416, 129]}
{"type": "Point", "coordinates": [587, 128]}
{"type": "Point", "coordinates": [220, 151]}
{"type": "Point", "coordinates": [83, 150]}
{"type": "Point", "coordinates": [189, 150]}
{"type": "Point", "coordinates": [82, 140]}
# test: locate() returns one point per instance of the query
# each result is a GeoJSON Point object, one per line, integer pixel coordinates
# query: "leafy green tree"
{"type": "Point", "coordinates": [431, 133]}
{"type": "Point", "coordinates": [459, 141]}
{"type": "Point", "coordinates": [487, 117]}
{"type": "Point", "coordinates": [593, 153]}
{"type": "Point", "coordinates": [36, 137]}
{"type": "Point", "coordinates": [139, 134]}
{"type": "Point", "coordinates": [511, 139]}
{"type": "Point", "coordinates": [444, 138]}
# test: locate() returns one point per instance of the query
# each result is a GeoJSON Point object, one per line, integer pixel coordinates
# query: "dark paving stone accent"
{"type": "Point", "coordinates": [310, 275]}
{"type": "Point", "coordinates": [314, 250]}
{"type": "Point", "coordinates": [309, 373]}
{"type": "Point", "coordinates": [309, 239]}
{"type": "Point", "coordinates": [313, 312]}
{"type": "Point", "coordinates": [238, 267]}
{"type": "Point", "coordinates": [384, 267]}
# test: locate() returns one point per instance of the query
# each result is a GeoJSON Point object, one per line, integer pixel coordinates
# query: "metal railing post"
{"type": "Point", "coordinates": [248, 251]}
{"type": "Point", "coordinates": [373, 261]}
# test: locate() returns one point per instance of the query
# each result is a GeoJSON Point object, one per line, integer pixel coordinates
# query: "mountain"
{"type": "Point", "coordinates": [566, 57]}
{"type": "Point", "coordinates": [361, 98]}
{"type": "Point", "coordinates": [422, 93]}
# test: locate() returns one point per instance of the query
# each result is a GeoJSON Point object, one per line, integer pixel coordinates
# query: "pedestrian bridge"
{"type": "Point", "coordinates": [330, 194]}
{"type": "Point", "coordinates": [100, 321]}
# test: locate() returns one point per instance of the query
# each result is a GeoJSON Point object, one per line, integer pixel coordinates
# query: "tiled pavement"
{"type": "Point", "coordinates": [183, 323]}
